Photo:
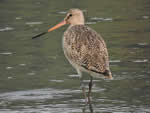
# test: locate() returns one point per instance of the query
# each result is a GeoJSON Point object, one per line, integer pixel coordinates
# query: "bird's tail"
{"type": "Point", "coordinates": [108, 74]}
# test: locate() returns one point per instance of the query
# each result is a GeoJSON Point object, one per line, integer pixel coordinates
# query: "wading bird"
{"type": "Point", "coordinates": [84, 48]}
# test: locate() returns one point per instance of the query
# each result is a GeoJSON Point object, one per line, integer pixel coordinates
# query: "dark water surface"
{"type": "Point", "coordinates": [35, 77]}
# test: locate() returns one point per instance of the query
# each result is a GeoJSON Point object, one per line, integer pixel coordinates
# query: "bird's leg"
{"type": "Point", "coordinates": [82, 85]}
{"type": "Point", "coordinates": [90, 88]}
{"type": "Point", "coordinates": [91, 108]}
{"type": "Point", "coordinates": [84, 91]}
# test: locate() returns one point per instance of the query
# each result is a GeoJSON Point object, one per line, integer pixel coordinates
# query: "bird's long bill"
{"type": "Point", "coordinates": [51, 29]}
{"type": "Point", "coordinates": [57, 26]}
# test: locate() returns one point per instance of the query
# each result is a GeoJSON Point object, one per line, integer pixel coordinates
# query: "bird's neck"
{"type": "Point", "coordinates": [71, 25]}
{"type": "Point", "coordinates": [76, 24]}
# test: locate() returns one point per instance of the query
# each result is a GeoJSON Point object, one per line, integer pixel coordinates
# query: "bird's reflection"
{"type": "Point", "coordinates": [86, 107]}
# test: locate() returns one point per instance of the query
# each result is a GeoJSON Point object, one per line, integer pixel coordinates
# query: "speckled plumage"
{"type": "Point", "coordinates": [84, 48]}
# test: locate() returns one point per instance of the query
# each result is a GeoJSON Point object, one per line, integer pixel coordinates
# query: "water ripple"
{"type": "Point", "coordinates": [142, 44]}
{"type": "Point", "coordinates": [101, 19]}
{"type": "Point", "coordinates": [9, 67]}
{"type": "Point", "coordinates": [141, 61]}
{"type": "Point", "coordinates": [6, 53]}
{"type": "Point", "coordinates": [33, 23]}
{"type": "Point", "coordinates": [6, 29]}
{"type": "Point", "coordinates": [35, 94]}
{"type": "Point", "coordinates": [90, 23]}
{"type": "Point", "coordinates": [74, 76]}
{"type": "Point", "coordinates": [42, 102]}
{"type": "Point", "coordinates": [62, 12]}
{"type": "Point", "coordinates": [56, 80]}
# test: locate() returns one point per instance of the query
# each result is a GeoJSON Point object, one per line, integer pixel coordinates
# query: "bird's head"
{"type": "Point", "coordinates": [73, 17]}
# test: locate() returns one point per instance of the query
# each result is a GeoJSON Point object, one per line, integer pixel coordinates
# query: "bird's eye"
{"type": "Point", "coordinates": [70, 15]}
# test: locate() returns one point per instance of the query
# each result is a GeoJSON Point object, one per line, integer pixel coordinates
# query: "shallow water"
{"type": "Point", "coordinates": [35, 77]}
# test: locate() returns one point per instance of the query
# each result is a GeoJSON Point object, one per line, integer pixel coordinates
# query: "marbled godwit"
{"type": "Point", "coordinates": [84, 48]}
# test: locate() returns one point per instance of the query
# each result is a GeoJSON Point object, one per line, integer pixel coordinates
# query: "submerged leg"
{"type": "Point", "coordinates": [82, 85]}
{"type": "Point", "coordinates": [90, 89]}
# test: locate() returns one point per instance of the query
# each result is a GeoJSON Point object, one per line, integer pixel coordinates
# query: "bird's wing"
{"type": "Point", "coordinates": [87, 48]}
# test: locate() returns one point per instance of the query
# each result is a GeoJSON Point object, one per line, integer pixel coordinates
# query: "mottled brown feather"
{"type": "Point", "coordinates": [84, 47]}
